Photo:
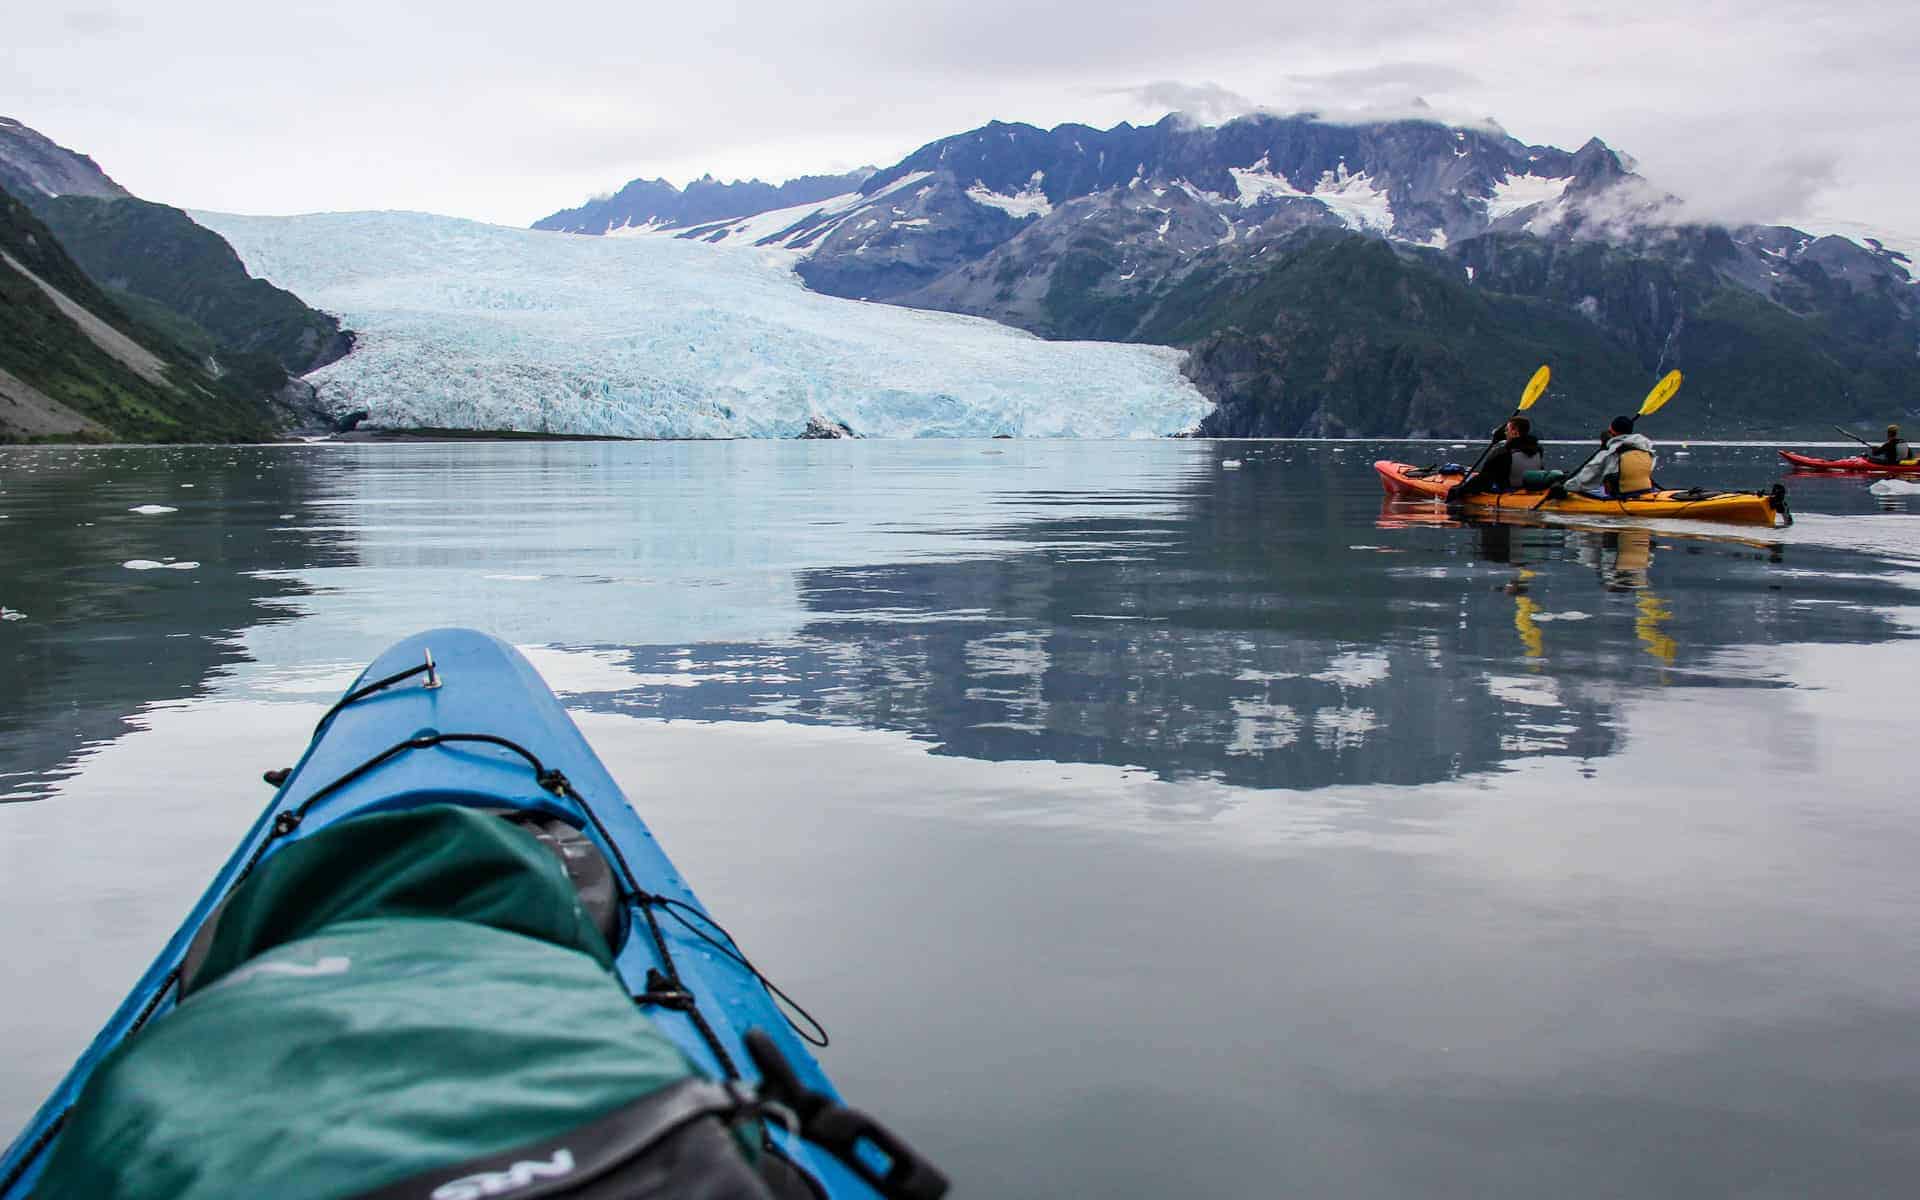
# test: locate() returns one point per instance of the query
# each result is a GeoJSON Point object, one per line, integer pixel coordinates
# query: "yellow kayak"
{"type": "Point", "coordinates": [1694, 504]}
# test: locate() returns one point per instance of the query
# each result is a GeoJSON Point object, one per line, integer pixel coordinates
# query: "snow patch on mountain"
{"type": "Point", "coordinates": [1355, 199]}
{"type": "Point", "coordinates": [1515, 192]}
{"type": "Point", "coordinates": [1030, 201]}
{"type": "Point", "coordinates": [1902, 242]}
{"type": "Point", "coordinates": [476, 326]}
{"type": "Point", "coordinates": [799, 228]}
{"type": "Point", "coordinates": [761, 227]}
{"type": "Point", "coordinates": [1258, 182]}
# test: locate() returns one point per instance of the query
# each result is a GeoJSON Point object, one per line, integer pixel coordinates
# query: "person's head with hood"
{"type": "Point", "coordinates": [1618, 427]}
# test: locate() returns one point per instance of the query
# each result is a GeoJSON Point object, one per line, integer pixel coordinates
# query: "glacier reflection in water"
{"type": "Point", "coordinates": [1089, 791]}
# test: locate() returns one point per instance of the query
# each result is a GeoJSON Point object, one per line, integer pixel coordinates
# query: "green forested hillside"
{"type": "Point", "coordinates": [1333, 333]}
{"type": "Point", "coordinates": [89, 369]}
{"type": "Point", "coordinates": [157, 255]}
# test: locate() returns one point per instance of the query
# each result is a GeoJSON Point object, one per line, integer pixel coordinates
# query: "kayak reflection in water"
{"type": "Point", "coordinates": [1622, 558]}
{"type": "Point", "coordinates": [1632, 559]}
{"type": "Point", "coordinates": [1517, 453]}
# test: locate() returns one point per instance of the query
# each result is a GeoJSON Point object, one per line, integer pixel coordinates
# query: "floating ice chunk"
{"type": "Point", "coordinates": [147, 564]}
{"type": "Point", "coordinates": [152, 510]}
{"type": "Point", "coordinates": [11, 614]}
{"type": "Point", "coordinates": [1230, 464]}
{"type": "Point", "coordinates": [1895, 487]}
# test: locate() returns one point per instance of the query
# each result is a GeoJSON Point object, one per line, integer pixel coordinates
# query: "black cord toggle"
{"type": "Point", "coordinates": [277, 776]}
{"type": "Point", "coordinates": [553, 781]}
{"type": "Point", "coordinates": [663, 992]}
{"type": "Point", "coordinates": [286, 823]}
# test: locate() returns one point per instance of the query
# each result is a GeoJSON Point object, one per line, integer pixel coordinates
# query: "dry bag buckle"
{"type": "Point", "coordinates": [863, 1145]}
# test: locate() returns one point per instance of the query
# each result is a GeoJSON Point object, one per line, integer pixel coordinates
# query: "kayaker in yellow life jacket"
{"type": "Point", "coordinates": [1507, 464]}
{"type": "Point", "coordinates": [1893, 450]}
{"type": "Point", "coordinates": [1623, 467]}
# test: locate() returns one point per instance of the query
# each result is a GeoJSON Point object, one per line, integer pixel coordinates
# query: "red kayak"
{"type": "Point", "coordinates": [1856, 464]}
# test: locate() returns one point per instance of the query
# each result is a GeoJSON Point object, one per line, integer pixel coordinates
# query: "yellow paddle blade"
{"type": "Point", "coordinates": [1661, 393]}
{"type": "Point", "coordinates": [1535, 387]}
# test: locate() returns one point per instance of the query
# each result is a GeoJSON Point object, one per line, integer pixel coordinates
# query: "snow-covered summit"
{"type": "Point", "coordinates": [478, 326]}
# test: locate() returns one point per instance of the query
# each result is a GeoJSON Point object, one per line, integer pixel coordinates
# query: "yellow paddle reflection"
{"type": "Point", "coordinates": [1532, 640]}
{"type": "Point", "coordinates": [1621, 557]}
{"type": "Point", "coordinates": [1654, 613]}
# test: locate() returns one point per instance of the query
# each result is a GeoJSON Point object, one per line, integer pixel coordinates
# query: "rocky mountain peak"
{"type": "Point", "coordinates": [655, 203]}
{"type": "Point", "coordinates": [33, 164]}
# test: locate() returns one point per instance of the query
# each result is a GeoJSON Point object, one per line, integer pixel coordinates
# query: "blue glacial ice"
{"type": "Point", "coordinates": [465, 325]}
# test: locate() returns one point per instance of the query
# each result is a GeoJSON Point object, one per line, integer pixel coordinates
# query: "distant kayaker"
{"type": "Point", "coordinates": [1508, 462]}
{"type": "Point", "coordinates": [1623, 467]}
{"type": "Point", "coordinates": [1893, 450]}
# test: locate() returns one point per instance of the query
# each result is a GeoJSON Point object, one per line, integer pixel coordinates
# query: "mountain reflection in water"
{"type": "Point", "coordinates": [1274, 625]}
{"type": "Point", "coordinates": [993, 753]}
{"type": "Point", "coordinates": [1261, 654]}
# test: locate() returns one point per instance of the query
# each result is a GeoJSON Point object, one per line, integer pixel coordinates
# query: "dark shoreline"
{"type": "Point", "coordinates": [435, 434]}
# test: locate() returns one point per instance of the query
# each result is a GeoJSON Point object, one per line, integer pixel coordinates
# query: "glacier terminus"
{"type": "Point", "coordinates": [463, 324]}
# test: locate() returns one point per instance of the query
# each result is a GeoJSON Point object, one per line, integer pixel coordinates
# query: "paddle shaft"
{"type": "Point", "coordinates": [1536, 386]}
{"type": "Point", "coordinates": [1856, 437]}
{"type": "Point", "coordinates": [1570, 474]}
{"type": "Point", "coordinates": [1655, 401]}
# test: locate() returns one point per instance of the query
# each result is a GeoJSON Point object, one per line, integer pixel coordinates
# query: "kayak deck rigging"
{"type": "Point", "coordinates": [471, 733]}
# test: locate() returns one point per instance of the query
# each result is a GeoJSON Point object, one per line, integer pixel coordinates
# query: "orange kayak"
{"type": "Point", "coordinates": [1694, 504]}
{"type": "Point", "coordinates": [1856, 464]}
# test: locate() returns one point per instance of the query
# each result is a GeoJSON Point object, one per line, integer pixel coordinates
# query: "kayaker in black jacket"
{"type": "Point", "coordinates": [1507, 464]}
{"type": "Point", "coordinates": [1893, 450]}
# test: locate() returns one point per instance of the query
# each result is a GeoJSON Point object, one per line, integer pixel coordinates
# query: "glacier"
{"type": "Point", "coordinates": [467, 325]}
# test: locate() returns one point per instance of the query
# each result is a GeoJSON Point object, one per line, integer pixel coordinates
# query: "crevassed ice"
{"type": "Point", "coordinates": [465, 325]}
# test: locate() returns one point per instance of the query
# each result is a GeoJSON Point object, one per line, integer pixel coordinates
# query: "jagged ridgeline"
{"type": "Point", "coordinates": [75, 365]}
{"type": "Point", "coordinates": [1399, 277]}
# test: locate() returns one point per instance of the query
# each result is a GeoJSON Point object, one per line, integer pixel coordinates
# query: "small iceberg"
{"type": "Point", "coordinates": [1895, 487]}
{"type": "Point", "coordinates": [151, 510]}
{"type": "Point", "coordinates": [1230, 464]}
{"type": "Point", "coordinates": [147, 564]}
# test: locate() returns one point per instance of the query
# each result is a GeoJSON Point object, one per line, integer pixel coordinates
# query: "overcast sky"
{"type": "Point", "coordinates": [1765, 109]}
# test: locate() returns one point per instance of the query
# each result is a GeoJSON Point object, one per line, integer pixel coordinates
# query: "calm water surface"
{"type": "Point", "coordinates": [1140, 824]}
